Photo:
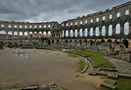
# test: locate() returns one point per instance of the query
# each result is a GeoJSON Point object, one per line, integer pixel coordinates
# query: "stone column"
{"type": "Point", "coordinates": [122, 29]}
{"type": "Point", "coordinates": [130, 29]}
{"type": "Point", "coordinates": [113, 30]}
{"type": "Point", "coordinates": [78, 33]}
{"type": "Point", "coordinates": [88, 33]}
{"type": "Point", "coordinates": [83, 34]}
{"type": "Point", "coordinates": [69, 33]}
{"type": "Point", "coordinates": [94, 32]}
{"type": "Point", "coordinates": [100, 31]}
{"type": "Point", "coordinates": [64, 33]}
{"type": "Point", "coordinates": [107, 31]}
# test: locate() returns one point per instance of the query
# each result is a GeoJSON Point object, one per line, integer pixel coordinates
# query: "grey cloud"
{"type": "Point", "coordinates": [50, 10]}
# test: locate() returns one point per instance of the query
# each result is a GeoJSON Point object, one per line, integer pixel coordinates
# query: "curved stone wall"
{"type": "Point", "coordinates": [109, 23]}
{"type": "Point", "coordinates": [114, 23]}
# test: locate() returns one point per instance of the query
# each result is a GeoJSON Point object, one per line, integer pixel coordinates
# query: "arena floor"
{"type": "Point", "coordinates": [35, 67]}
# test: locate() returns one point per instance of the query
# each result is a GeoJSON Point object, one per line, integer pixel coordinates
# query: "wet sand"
{"type": "Point", "coordinates": [40, 67]}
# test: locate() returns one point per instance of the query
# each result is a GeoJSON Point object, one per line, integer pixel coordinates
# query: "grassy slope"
{"type": "Point", "coordinates": [97, 59]}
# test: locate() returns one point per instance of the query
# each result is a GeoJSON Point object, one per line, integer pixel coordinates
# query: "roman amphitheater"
{"type": "Point", "coordinates": [107, 32]}
{"type": "Point", "coordinates": [111, 24]}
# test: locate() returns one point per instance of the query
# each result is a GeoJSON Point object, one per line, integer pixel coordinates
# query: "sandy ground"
{"type": "Point", "coordinates": [42, 67]}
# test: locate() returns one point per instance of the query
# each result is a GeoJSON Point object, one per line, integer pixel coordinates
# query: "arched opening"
{"type": "Point", "coordinates": [126, 28]}
{"type": "Point", "coordinates": [81, 33]}
{"type": "Point", "coordinates": [30, 33]}
{"type": "Point", "coordinates": [91, 31]}
{"type": "Point", "coordinates": [85, 32]}
{"type": "Point", "coordinates": [103, 31]}
{"type": "Point", "coordinates": [110, 30]}
{"type": "Point", "coordinates": [49, 33]}
{"type": "Point", "coordinates": [21, 33]}
{"type": "Point", "coordinates": [25, 33]}
{"type": "Point", "coordinates": [40, 32]}
{"type": "Point", "coordinates": [76, 33]}
{"type": "Point", "coordinates": [2, 32]}
{"type": "Point", "coordinates": [63, 34]}
{"type": "Point", "coordinates": [97, 33]}
{"type": "Point", "coordinates": [10, 33]}
{"type": "Point", "coordinates": [117, 29]}
{"type": "Point", "coordinates": [15, 33]}
{"type": "Point", "coordinates": [67, 33]}
{"type": "Point", "coordinates": [44, 33]}
{"type": "Point", "coordinates": [71, 33]}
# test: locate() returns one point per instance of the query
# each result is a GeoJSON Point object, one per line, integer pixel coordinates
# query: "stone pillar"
{"type": "Point", "coordinates": [69, 33]}
{"type": "Point", "coordinates": [107, 31]}
{"type": "Point", "coordinates": [113, 30]}
{"type": "Point", "coordinates": [78, 33]}
{"type": "Point", "coordinates": [64, 33]}
{"type": "Point", "coordinates": [94, 33]}
{"type": "Point", "coordinates": [88, 33]}
{"type": "Point", "coordinates": [73, 33]}
{"type": "Point", "coordinates": [122, 29]}
{"type": "Point", "coordinates": [83, 33]}
{"type": "Point", "coordinates": [100, 31]}
{"type": "Point", "coordinates": [130, 29]}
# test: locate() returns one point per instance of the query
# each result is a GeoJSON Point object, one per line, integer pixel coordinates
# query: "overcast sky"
{"type": "Point", "coordinates": [51, 10]}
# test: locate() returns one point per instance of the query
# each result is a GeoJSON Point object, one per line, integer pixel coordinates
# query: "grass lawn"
{"type": "Point", "coordinates": [122, 84]}
{"type": "Point", "coordinates": [97, 59]}
{"type": "Point", "coordinates": [81, 65]}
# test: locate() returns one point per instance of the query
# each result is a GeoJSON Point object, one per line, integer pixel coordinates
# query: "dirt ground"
{"type": "Point", "coordinates": [41, 67]}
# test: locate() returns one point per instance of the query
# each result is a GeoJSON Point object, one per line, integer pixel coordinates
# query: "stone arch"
{"type": "Point", "coordinates": [16, 33]}
{"type": "Point", "coordinates": [86, 32]}
{"type": "Point", "coordinates": [71, 33]}
{"type": "Point", "coordinates": [66, 41]}
{"type": "Point", "coordinates": [26, 33]}
{"type": "Point", "coordinates": [44, 33]}
{"type": "Point", "coordinates": [81, 33]}
{"type": "Point", "coordinates": [30, 33]}
{"type": "Point", "coordinates": [21, 33]}
{"type": "Point", "coordinates": [110, 30]}
{"type": "Point", "coordinates": [85, 41]}
{"type": "Point", "coordinates": [63, 33]}
{"type": "Point", "coordinates": [109, 41]}
{"type": "Point", "coordinates": [40, 32]}
{"type": "Point", "coordinates": [97, 32]}
{"type": "Point", "coordinates": [117, 28]}
{"type": "Point", "coordinates": [103, 30]}
{"type": "Point", "coordinates": [67, 33]}
{"type": "Point", "coordinates": [49, 33]}
{"type": "Point", "coordinates": [10, 33]}
{"type": "Point", "coordinates": [76, 32]}
{"type": "Point", "coordinates": [91, 31]}
{"type": "Point", "coordinates": [2, 32]}
{"type": "Point", "coordinates": [126, 28]}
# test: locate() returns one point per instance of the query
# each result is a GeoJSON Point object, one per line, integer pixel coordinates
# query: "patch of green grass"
{"type": "Point", "coordinates": [97, 59]}
{"type": "Point", "coordinates": [122, 84]}
{"type": "Point", "coordinates": [81, 65]}
{"type": "Point", "coordinates": [72, 55]}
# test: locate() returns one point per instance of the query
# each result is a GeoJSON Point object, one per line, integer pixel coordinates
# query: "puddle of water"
{"type": "Point", "coordinates": [21, 54]}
